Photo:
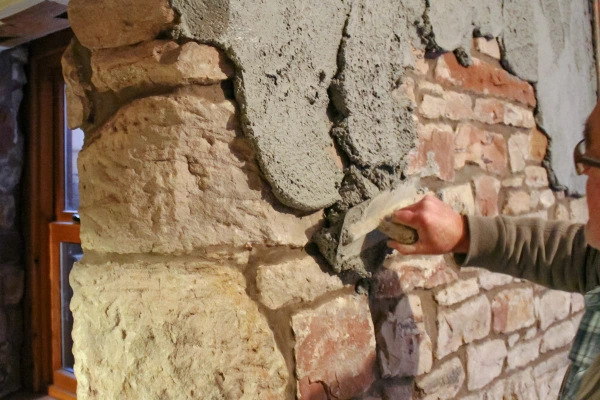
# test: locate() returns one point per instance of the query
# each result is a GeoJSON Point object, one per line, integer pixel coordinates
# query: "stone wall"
{"type": "Point", "coordinates": [197, 282]}
{"type": "Point", "coordinates": [12, 270]}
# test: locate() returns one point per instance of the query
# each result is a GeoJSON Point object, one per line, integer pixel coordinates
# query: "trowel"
{"type": "Point", "coordinates": [369, 224]}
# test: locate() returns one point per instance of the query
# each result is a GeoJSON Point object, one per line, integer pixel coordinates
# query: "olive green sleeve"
{"type": "Point", "coordinates": [550, 253]}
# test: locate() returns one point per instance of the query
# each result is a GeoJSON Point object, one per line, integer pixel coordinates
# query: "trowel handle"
{"type": "Point", "coordinates": [400, 233]}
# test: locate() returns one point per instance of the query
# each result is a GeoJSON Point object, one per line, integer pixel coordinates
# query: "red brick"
{"type": "Point", "coordinates": [483, 78]}
{"type": "Point", "coordinates": [486, 195]}
{"type": "Point", "coordinates": [489, 111]}
{"type": "Point", "coordinates": [335, 349]}
{"type": "Point", "coordinates": [435, 153]}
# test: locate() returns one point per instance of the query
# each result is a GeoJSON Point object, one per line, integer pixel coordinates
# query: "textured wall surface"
{"type": "Point", "coordinates": [210, 164]}
{"type": "Point", "coordinates": [12, 271]}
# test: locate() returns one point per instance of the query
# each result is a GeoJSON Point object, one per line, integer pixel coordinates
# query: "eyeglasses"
{"type": "Point", "coordinates": [581, 160]}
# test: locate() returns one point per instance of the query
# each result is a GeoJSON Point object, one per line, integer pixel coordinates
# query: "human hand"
{"type": "Point", "coordinates": [441, 229]}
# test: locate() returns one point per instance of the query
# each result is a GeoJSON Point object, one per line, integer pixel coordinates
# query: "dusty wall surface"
{"type": "Point", "coordinates": [12, 270]}
{"type": "Point", "coordinates": [206, 125]}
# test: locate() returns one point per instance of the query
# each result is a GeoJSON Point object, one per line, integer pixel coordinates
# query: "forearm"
{"type": "Point", "coordinates": [553, 254]}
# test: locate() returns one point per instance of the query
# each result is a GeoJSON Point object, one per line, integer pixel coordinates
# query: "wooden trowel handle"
{"type": "Point", "coordinates": [400, 233]}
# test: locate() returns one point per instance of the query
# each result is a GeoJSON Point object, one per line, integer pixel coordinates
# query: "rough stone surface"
{"type": "Point", "coordinates": [523, 353]}
{"type": "Point", "coordinates": [538, 145]}
{"type": "Point", "coordinates": [405, 348]}
{"type": "Point", "coordinates": [444, 382]}
{"type": "Point", "coordinates": [513, 309]}
{"type": "Point", "coordinates": [335, 348]}
{"type": "Point", "coordinates": [457, 292]}
{"type": "Point", "coordinates": [518, 202]}
{"type": "Point", "coordinates": [484, 363]}
{"type": "Point", "coordinates": [158, 63]}
{"type": "Point", "coordinates": [549, 375]}
{"type": "Point", "coordinates": [173, 174]}
{"type": "Point", "coordinates": [558, 336]}
{"type": "Point", "coordinates": [518, 149]}
{"type": "Point", "coordinates": [460, 198]}
{"type": "Point", "coordinates": [476, 146]}
{"type": "Point", "coordinates": [114, 23]}
{"type": "Point", "coordinates": [78, 102]}
{"type": "Point", "coordinates": [536, 177]}
{"type": "Point", "coordinates": [552, 306]}
{"type": "Point", "coordinates": [146, 330]}
{"type": "Point", "coordinates": [487, 190]}
{"type": "Point", "coordinates": [294, 281]}
{"type": "Point", "coordinates": [470, 321]}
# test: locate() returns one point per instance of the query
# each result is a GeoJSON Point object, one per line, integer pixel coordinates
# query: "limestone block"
{"type": "Point", "coordinates": [335, 349]}
{"type": "Point", "coordinates": [458, 292]}
{"type": "Point", "coordinates": [484, 363]}
{"type": "Point", "coordinates": [115, 23]}
{"type": "Point", "coordinates": [444, 382]}
{"type": "Point", "coordinates": [170, 174]}
{"type": "Point", "coordinates": [294, 281]}
{"type": "Point", "coordinates": [401, 274]}
{"type": "Point", "coordinates": [552, 306]}
{"type": "Point", "coordinates": [469, 322]}
{"type": "Point", "coordinates": [558, 336]}
{"type": "Point", "coordinates": [159, 63]}
{"type": "Point", "coordinates": [176, 330]}
{"type": "Point", "coordinates": [523, 353]}
{"type": "Point", "coordinates": [405, 348]}
{"type": "Point", "coordinates": [513, 309]}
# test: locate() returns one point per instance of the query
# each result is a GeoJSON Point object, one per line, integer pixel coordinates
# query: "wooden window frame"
{"type": "Point", "coordinates": [43, 214]}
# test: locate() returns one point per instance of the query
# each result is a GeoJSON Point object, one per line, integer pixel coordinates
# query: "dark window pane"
{"type": "Point", "coordinates": [69, 254]}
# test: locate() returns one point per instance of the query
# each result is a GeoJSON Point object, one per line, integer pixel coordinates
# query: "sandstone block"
{"type": "Point", "coordinates": [487, 190]}
{"type": "Point", "coordinates": [536, 177]}
{"type": "Point", "coordinates": [294, 281]}
{"type": "Point", "coordinates": [513, 309]}
{"type": "Point", "coordinates": [518, 202]}
{"type": "Point", "coordinates": [114, 23]}
{"type": "Point", "coordinates": [558, 336]}
{"type": "Point", "coordinates": [402, 274]}
{"type": "Point", "coordinates": [460, 198]}
{"type": "Point", "coordinates": [150, 330]}
{"type": "Point", "coordinates": [484, 79]}
{"type": "Point", "coordinates": [552, 306]}
{"type": "Point", "coordinates": [484, 363]}
{"type": "Point", "coordinates": [444, 382]}
{"type": "Point", "coordinates": [435, 152]}
{"type": "Point", "coordinates": [159, 63]}
{"type": "Point", "coordinates": [469, 322]}
{"type": "Point", "coordinates": [518, 150]}
{"type": "Point", "coordinates": [457, 292]}
{"type": "Point", "coordinates": [523, 353]}
{"type": "Point", "coordinates": [488, 47]}
{"type": "Point", "coordinates": [335, 345]}
{"type": "Point", "coordinates": [405, 348]}
{"type": "Point", "coordinates": [170, 174]}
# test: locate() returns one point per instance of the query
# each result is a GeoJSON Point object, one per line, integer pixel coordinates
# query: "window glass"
{"type": "Point", "coordinates": [73, 145]}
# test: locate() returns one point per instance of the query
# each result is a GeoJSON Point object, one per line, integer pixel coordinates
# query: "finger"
{"type": "Point", "coordinates": [405, 217]}
{"type": "Point", "coordinates": [404, 249]}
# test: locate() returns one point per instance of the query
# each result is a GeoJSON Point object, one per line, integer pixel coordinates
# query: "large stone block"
{"type": "Point", "coordinates": [485, 362]}
{"type": "Point", "coordinates": [294, 281]}
{"type": "Point", "coordinates": [159, 63]}
{"type": "Point", "coordinates": [152, 330]}
{"type": "Point", "coordinates": [173, 174]}
{"type": "Point", "coordinates": [444, 382]}
{"type": "Point", "coordinates": [115, 23]}
{"type": "Point", "coordinates": [552, 306]}
{"type": "Point", "coordinates": [78, 102]}
{"type": "Point", "coordinates": [335, 349]}
{"type": "Point", "coordinates": [513, 310]}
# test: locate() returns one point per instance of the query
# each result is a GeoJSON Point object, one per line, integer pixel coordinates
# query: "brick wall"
{"type": "Point", "coordinates": [12, 79]}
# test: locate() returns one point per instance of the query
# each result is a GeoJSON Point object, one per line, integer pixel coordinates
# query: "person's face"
{"type": "Point", "coordinates": [592, 150]}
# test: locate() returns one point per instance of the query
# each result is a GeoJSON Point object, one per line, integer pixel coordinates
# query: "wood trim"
{"type": "Point", "coordinates": [60, 394]}
{"type": "Point", "coordinates": [65, 381]}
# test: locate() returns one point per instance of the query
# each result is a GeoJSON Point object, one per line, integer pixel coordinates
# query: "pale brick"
{"type": "Point", "coordinates": [458, 106]}
{"type": "Point", "coordinates": [518, 150]}
{"type": "Point", "coordinates": [561, 213]}
{"type": "Point", "coordinates": [432, 107]}
{"type": "Point", "coordinates": [513, 309]}
{"type": "Point", "coordinates": [517, 203]}
{"type": "Point", "coordinates": [457, 292]}
{"type": "Point", "coordinates": [547, 198]}
{"type": "Point", "coordinates": [495, 155]}
{"type": "Point", "coordinates": [484, 363]}
{"type": "Point", "coordinates": [577, 302]}
{"type": "Point", "coordinates": [552, 306]}
{"type": "Point", "coordinates": [512, 339]}
{"type": "Point", "coordinates": [433, 89]}
{"type": "Point", "coordinates": [579, 211]}
{"type": "Point", "coordinates": [558, 336]}
{"type": "Point", "coordinates": [514, 182]}
{"type": "Point", "coordinates": [518, 116]}
{"type": "Point", "coordinates": [469, 322]}
{"type": "Point", "coordinates": [489, 280]}
{"type": "Point", "coordinates": [488, 47]}
{"type": "Point", "coordinates": [460, 198]}
{"type": "Point", "coordinates": [523, 353]}
{"type": "Point", "coordinates": [489, 111]}
{"type": "Point", "coordinates": [405, 348]}
{"type": "Point", "coordinates": [333, 341]}
{"type": "Point", "coordinates": [536, 177]}
{"type": "Point", "coordinates": [401, 274]}
{"type": "Point", "coordinates": [444, 382]}
{"type": "Point", "coordinates": [487, 190]}
{"type": "Point", "coordinates": [538, 145]}
{"type": "Point", "coordinates": [294, 281]}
